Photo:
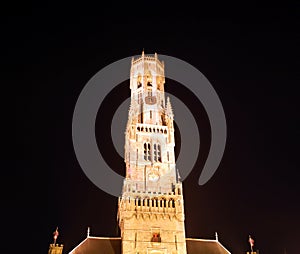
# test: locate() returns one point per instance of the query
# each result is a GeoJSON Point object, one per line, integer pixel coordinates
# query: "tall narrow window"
{"type": "Point", "coordinates": [157, 152]}
{"type": "Point", "coordinates": [147, 152]}
{"type": "Point", "coordinates": [150, 114]}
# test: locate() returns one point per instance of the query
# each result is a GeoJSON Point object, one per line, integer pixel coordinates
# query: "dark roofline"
{"type": "Point", "coordinates": [119, 238]}
{"type": "Point", "coordinates": [208, 240]}
{"type": "Point", "coordinates": [94, 237]}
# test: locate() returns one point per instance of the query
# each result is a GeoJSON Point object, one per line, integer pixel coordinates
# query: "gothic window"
{"type": "Point", "coordinates": [172, 203]}
{"type": "Point", "coordinates": [155, 202]}
{"type": "Point", "coordinates": [157, 152]}
{"type": "Point", "coordinates": [163, 202]}
{"type": "Point", "coordinates": [149, 80]}
{"type": "Point", "coordinates": [139, 83]}
{"type": "Point", "coordinates": [147, 152]}
{"type": "Point", "coordinates": [138, 201]}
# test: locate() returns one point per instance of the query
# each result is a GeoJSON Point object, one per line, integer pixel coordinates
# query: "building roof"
{"type": "Point", "coordinates": [112, 245]}
{"type": "Point", "coordinates": [98, 245]}
{"type": "Point", "coordinates": [202, 246]}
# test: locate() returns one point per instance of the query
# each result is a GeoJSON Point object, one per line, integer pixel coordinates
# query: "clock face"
{"type": "Point", "coordinates": [153, 176]}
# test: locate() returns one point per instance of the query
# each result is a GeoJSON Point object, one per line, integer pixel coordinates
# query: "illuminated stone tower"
{"type": "Point", "coordinates": [151, 210]}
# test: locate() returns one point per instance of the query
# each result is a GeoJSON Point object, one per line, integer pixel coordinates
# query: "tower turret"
{"type": "Point", "coordinates": [55, 248]}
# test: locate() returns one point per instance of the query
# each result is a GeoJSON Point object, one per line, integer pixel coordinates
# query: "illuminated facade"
{"type": "Point", "coordinates": [151, 211]}
{"type": "Point", "coordinates": [151, 207]}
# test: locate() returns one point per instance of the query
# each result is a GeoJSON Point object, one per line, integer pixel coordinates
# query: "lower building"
{"type": "Point", "coordinates": [113, 245]}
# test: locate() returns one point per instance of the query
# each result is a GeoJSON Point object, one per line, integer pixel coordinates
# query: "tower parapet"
{"type": "Point", "coordinates": [55, 248]}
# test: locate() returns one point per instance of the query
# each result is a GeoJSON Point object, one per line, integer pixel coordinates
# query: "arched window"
{"type": "Point", "coordinates": [172, 203]}
{"type": "Point", "coordinates": [139, 83]}
{"type": "Point", "coordinates": [149, 79]}
{"type": "Point", "coordinates": [155, 202]}
{"type": "Point", "coordinates": [157, 152]}
{"type": "Point", "coordinates": [138, 201]}
{"type": "Point", "coordinates": [163, 202]}
{"type": "Point", "coordinates": [147, 152]}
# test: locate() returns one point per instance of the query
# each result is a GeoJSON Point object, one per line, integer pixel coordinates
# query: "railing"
{"type": "Point", "coordinates": [141, 127]}
{"type": "Point", "coordinates": [148, 204]}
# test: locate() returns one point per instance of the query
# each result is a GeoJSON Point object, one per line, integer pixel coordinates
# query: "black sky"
{"type": "Point", "coordinates": [250, 55]}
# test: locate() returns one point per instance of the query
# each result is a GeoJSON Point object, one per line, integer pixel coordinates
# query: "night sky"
{"type": "Point", "coordinates": [250, 55]}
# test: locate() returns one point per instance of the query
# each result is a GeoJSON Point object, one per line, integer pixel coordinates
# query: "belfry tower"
{"type": "Point", "coordinates": [150, 210]}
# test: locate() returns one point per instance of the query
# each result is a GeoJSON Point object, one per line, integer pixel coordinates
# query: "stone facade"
{"type": "Point", "coordinates": [151, 209]}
